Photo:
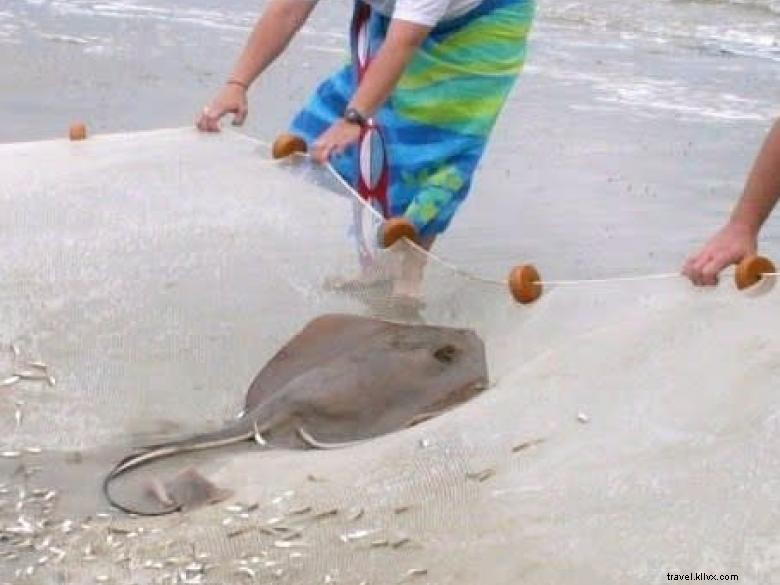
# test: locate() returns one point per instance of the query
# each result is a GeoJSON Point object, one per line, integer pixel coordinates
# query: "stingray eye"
{"type": "Point", "coordinates": [446, 354]}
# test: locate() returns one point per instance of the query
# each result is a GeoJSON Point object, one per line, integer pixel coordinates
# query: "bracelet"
{"type": "Point", "coordinates": [241, 84]}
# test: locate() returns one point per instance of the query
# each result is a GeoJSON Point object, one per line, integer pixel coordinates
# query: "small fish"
{"type": "Point", "coordinates": [10, 381]}
{"type": "Point", "coordinates": [244, 530]}
{"type": "Point", "coordinates": [30, 375]}
{"type": "Point", "coordinates": [402, 509]}
{"type": "Point", "coordinates": [10, 454]}
{"type": "Point", "coordinates": [292, 535]}
{"type": "Point", "coordinates": [527, 445]}
{"type": "Point", "coordinates": [416, 573]}
{"type": "Point", "coordinates": [356, 515]}
{"type": "Point", "coordinates": [480, 476]}
{"type": "Point", "coordinates": [247, 572]}
{"type": "Point", "coordinates": [356, 535]}
{"type": "Point", "coordinates": [582, 417]}
{"type": "Point", "coordinates": [400, 542]}
{"type": "Point", "coordinates": [288, 544]}
{"type": "Point", "coordinates": [326, 514]}
{"type": "Point", "coordinates": [380, 543]}
{"type": "Point", "coordinates": [300, 511]}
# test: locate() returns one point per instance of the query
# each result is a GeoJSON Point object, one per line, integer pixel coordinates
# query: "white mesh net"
{"type": "Point", "coordinates": [630, 430]}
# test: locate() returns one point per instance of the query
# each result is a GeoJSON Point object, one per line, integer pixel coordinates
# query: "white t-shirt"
{"type": "Point", "coordinates": [425, 12]}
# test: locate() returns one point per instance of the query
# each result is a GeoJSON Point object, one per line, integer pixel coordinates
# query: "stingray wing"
{"type": "Point", "coordinates": [322, 340]}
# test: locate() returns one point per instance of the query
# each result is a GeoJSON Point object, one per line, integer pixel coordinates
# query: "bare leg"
{"type": "Point", "coordinates": [408, 284]}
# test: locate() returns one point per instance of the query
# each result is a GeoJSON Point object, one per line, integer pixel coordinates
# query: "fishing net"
{"type": "Point", "coordinates": [630, 430]}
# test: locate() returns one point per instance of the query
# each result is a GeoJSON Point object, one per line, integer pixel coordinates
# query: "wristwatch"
{"type": "Point", "coordinates": [353, 116]}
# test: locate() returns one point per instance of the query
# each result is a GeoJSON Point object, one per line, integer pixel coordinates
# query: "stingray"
{"type": "Point", "coordinates": [343, 379]}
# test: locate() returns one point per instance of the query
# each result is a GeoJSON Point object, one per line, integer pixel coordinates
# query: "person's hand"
{"type": "Point", "coordinates": [729, 246]}
{"type": "Point", "coordinates": [335, 140]}
{"type": "Point", "coordinates": [230, 100]}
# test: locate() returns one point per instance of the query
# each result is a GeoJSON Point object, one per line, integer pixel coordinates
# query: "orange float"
{"type": "Point", "coordinates": [751, 270]}
{"type": "Point", "coordinates": [525, 283]}
{"type": "Point", "coordinates": [396, 228]}
{"type": "Point", "coordinates": [287, 145]}
{"type": "Point", "coordinates": [78, 131]}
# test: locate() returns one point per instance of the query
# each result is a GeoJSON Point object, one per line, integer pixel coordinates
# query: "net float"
{"type": "Point", "coordinates": [78, 131]}
{"type": "Point", "coordinates": [287, 145]}
{"type": "Point", "coordinates": [395, 229]}
{"type": "Point", "coordinates": [751, 270]}
{"type": "Point", "coordinates": [525, 283]}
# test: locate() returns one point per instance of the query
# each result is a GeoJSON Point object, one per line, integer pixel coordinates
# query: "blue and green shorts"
{"type": "Point", "coordinates": [417, 157]}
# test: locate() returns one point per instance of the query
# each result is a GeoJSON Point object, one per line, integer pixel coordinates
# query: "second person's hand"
{"type": "Point", "coordinates": [230, 100]}
{"type": "Point", "coordinates": [729, 246]}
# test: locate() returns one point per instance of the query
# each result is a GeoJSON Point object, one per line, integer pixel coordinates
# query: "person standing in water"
{"type": "Point", "coordinates": [407, 120]}
{"type": "Point", "coordinates": [739, 237]}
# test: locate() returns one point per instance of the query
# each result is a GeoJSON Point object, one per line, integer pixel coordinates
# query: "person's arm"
{"type": "Point", "coordinates": [738, 238]}
{"type": "Point", "coordinates": [271, 35]}
{"type": "Point", "coordinates": [403, 40]}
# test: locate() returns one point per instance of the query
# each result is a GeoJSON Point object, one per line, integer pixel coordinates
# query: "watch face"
{"type": "Point", "coordinates": [354, 117]}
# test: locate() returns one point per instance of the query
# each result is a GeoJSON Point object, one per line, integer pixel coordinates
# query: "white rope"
{"type": "Point", "coordinates": [635, 278]}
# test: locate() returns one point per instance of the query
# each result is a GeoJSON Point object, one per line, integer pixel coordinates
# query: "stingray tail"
{"type": "Point", "coordinates": [241, 432]}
